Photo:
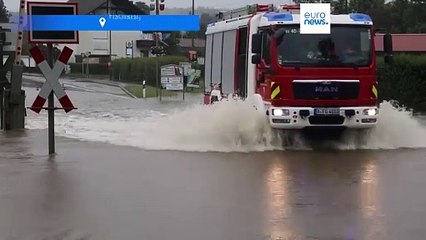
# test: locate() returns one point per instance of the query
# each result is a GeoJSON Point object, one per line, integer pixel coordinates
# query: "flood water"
{"type": "Point", "coordinates": [141, 169]}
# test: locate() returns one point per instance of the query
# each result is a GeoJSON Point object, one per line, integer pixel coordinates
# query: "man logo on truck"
{"type": "Point", "coordinates": [325, 89]}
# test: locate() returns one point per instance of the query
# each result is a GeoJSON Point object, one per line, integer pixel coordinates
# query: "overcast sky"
{"type": "Point", "coordinates": [13, 5]}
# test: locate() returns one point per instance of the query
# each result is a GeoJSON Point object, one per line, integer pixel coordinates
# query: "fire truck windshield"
{"type": "Point", "coordinates": [345, 46]}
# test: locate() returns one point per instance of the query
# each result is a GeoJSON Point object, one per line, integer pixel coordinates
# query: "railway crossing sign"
{"type": "Point", "coordinates": [52, 8]}
{"type": "Point", "coordinates": [52, 80]}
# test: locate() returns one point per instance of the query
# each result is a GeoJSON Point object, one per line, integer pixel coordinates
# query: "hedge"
{"type": "Point", "coordinates": [139, 69]}
{"type": "Point", "coordinates": [94, 68]}
{"type": "Point", "coordinates": [404, 81]}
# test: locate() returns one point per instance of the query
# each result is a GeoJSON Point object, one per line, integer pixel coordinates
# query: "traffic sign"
{"type": "Point", "coordinates": [171, 77]}
{"type": "Point", "coordinates": [52, 76]}
{"type": "Point", "coordinates": [52, 8]}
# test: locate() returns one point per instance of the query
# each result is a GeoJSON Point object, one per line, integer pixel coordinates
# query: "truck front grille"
{"type": "Point", "coordinates": [326, 90]}
{"type": "Point", "coordinates": [326, 120]}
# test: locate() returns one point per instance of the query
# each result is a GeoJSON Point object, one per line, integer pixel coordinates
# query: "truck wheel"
{"type": "Point", "coordinates": [361, 136]}
{"type": "Point", "coordinates": [291, 139]}
{"type": "Point", "coordinates": [214, 99]}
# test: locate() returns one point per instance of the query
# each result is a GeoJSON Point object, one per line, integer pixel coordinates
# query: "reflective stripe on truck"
{"type": "Point", "coordinates": [275, 90]}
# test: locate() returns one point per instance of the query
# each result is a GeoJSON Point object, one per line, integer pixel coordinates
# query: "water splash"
{"type": "Point", "coordinates": [224, 127]}
{"type": "Point", "coordinates": [397, 128]}
{"type": "Point", "coordinates": [228, 126]}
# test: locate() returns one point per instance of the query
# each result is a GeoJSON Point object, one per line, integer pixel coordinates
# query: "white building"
{"type": "Point", "coordinates": [102, 45]}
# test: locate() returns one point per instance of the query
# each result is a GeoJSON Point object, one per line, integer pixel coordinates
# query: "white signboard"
{"type": "Point", "coordinates": [147, 36]}
{"type": "Point", "coordinates": [171, 77]}
{"type": "Point", "coordinates": [200, 60]}
{"type": "Point", "coordinates": [315, 18]}
{"type": "Point", "coordinates": [186, 67]}
{"type": "Point", "coordinates": [175, 80]}
{"type": "Point", "coordinates": [174, 86]}
{"type": "Point", "coordinates": [129, 51]}
{"type": "Point", "coordinates": [164, 80]}
{"type": "Point", "coordinates": [169, 70]}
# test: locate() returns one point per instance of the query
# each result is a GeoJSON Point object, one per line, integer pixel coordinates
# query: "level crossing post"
{"type": "Point", "coordinates": [51, 105]}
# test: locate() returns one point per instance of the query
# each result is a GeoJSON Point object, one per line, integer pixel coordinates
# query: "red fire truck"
{"type": "Point", "coordinates": [297, 80]}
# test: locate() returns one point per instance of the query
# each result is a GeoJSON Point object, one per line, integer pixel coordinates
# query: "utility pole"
{"type": "Point", "coordinates": [157, 7]}
{"type": "Point", "coordinates": [110, 40]}
{"type": "Point", "coordinates": [193, 13]}
{"type": "Point", "coordinates": [157, 12]}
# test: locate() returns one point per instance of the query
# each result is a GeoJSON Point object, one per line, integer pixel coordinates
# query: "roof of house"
{"type": "Point", "coordinates": [403, 42]}
{"type": "Point", "coordinates": [400, 42]}
{"type": "Point", "coordinates": [187, 43]}
{"type": "Point", "coordinates": [126, 6]}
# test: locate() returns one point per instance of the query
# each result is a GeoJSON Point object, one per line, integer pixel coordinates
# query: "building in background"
{"type": "Point", "coordinates": [408, 43]}
{"type": "Point", "coordinates": [98, 47]}
{"type": "Point", "coordinates": [185, 46]}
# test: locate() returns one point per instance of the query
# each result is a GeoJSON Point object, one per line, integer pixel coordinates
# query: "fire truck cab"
{"type": "Point", "coordinates": [297, 80]}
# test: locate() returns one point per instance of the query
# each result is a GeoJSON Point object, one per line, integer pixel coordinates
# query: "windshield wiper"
{"type": "Point", "coordinates": [296, 64]}
{"type": "Point", "coordinates": [332, 63]}
{"type": "Point", "coordinates": [349, 64]}
{"type": "Point", "coordinates": [338, 63]}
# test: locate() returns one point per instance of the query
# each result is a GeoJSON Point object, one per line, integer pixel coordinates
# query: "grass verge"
{"type": "Point", "coordinates": [137, 90]}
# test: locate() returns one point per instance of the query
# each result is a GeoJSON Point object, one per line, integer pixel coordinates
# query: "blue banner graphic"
{"type": "Point", "coordinates": [112, 23]}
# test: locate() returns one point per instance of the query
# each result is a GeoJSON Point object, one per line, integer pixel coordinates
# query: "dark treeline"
{"type": "Point", "coordinates": [397, 16]}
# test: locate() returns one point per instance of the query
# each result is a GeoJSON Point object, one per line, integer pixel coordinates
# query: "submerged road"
{"type": "Point", "coordinates": [174, 186]}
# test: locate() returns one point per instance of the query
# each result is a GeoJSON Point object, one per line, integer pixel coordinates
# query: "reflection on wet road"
{"type": "Point", "coordinates": [97, 191]}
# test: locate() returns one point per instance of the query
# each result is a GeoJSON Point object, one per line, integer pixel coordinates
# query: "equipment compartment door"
{"type": "Point", "coordinates": [242, 62]}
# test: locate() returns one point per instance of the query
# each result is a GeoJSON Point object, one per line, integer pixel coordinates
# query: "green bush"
{"type": "Point", "coordinates": [94, 68]}
{"type": "Point", "coordinates": [139, 69]}
{"type": "Point", "coordinates": [404, 81]}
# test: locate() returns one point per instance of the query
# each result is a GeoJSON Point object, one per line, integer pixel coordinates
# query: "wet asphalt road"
{"type": "Point", "coordinates": [101, 191]}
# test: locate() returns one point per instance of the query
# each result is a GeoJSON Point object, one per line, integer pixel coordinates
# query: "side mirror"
{"type": "Point", "coordinates": [379, 30]}
{"type": "Point", "coordinates": [279, 34]}
{"type": "Point", "coordinates": [255, 59]}
{"type": "Point", "coordinates": [256, 43]}
{"type": "Point", "coordinates": [387, 48]}
{"type": "Point", "coordinates": [387, 44]}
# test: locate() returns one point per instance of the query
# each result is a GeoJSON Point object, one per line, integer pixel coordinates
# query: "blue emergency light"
{"type": "Point", "coordinates": [273, 16]}
{"type": "Point", "coordinates": [360, 17]}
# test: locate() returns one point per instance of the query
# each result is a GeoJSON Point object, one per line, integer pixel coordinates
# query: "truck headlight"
{"type": "Point", "coordinates": [280, 112]}
{"type": "Point", "coordinates": [371, 112]}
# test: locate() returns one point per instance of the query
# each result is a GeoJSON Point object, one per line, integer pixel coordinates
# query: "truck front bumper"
{"type": "Point", "coordinates": [303, 117]}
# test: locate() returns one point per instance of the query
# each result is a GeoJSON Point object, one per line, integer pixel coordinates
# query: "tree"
{"type": "Point", "coordinates": [142, 6]}
{"type": "Point", "coordinates": [415, 20]}
{"type": "Point", "coordinates": [311, 1]}
{"type": "Point", "coordinates": [205, 20]}
{"type": "Point", "coordinates": [339, 6]}
{"type": "Point", "coordinates": [172, 42]}
{"type": "Point", "coordinates": [365, 6]}
{"type": "Point", "coordinates": [4, 14]}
